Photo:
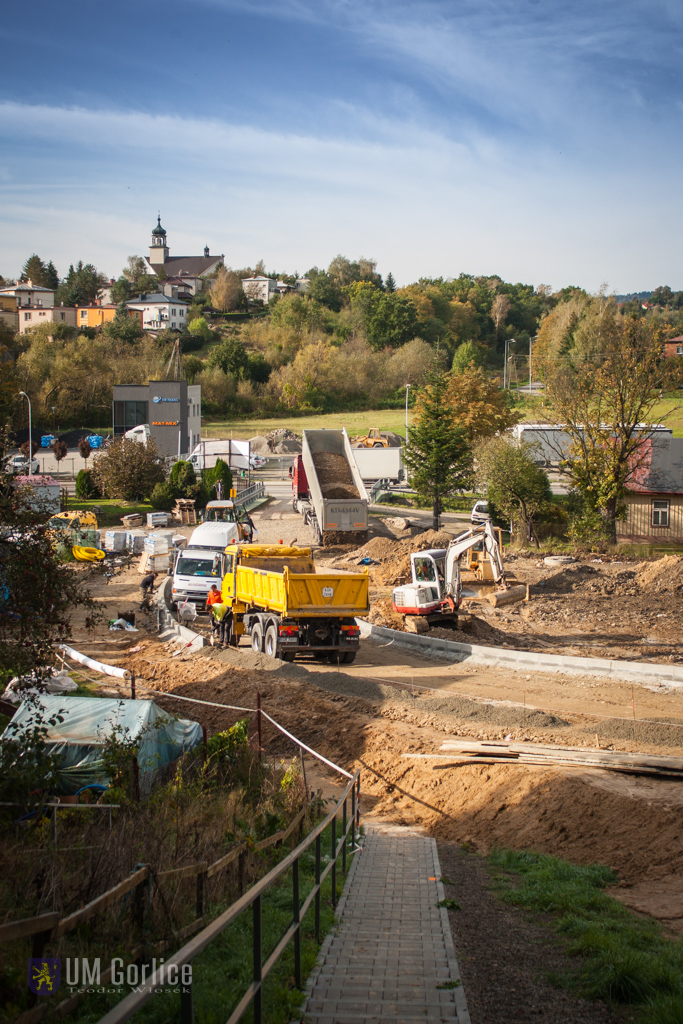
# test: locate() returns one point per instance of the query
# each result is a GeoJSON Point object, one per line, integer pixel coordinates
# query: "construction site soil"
{"type": "Point", "coordinates": [334, 475]}
{"type": "Point", "coordinates": [393, 702]}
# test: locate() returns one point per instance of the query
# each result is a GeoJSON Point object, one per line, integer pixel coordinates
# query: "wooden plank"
{"type": "Point", "coordinates": [495, 749]}
{"type": "Point", "coordinates": [226, 859]}
{"type": "Point", "coordinates": [189, 871]}
{"type": "Point", "coordinates": [28, 926]}
{"type": "Point", "coordinates": [101, 902]}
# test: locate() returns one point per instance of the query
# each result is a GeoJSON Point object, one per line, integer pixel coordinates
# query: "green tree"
{"type": "Point", "coordinates": [38, 593]}
{"type": "Point", "coordinates": [128, 469]}
{"type": "Point", "coordinates": [200, 328]}
{"type": "Point", "coordinates": [231, 356]}
{"type": "Point", "coordinates": [390, 284]}
{"type": "Point", "coordinates": [123, 327]}
{"type": "Point", "coordinates": [324, 290]}
{"type": "Point", "coordinates": [121, 290]}
{"type": "Point", "coordinates": [80, 286]}
{"type": "Point", "coordinates": [516, 487]}
{"type": "Point", "coordinates": [220, 472]}
{"type": "Point", "coordinates": [467, 354]}
{"type": "Point", "coordinates": [438, 454]}
{"type": "Point", "coordinates": [192, 365]}
{"type": "Point", "coordinates": [34, 270]}
{"type": "Point", "coordinates": [51, 276]}
{"type": "Point", "coordinates": [605, 389]}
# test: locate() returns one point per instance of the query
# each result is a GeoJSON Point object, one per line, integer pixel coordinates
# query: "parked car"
{"type": "Point", "coordinates": [257, 462]}
{"type": "Point", "coordinates": [19, 465]}
{"type": "Point", "coordinates": [480, 513]}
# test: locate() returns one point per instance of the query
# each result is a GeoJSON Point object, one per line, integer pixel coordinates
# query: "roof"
{"type": "Point", "coordinates": [661, 467]}
{"type": "Point", "coordinates": [158, 230]}
{"type": "Point", "coordinates": [25, 287]}
{"type": "Point", "coordinates": [156, 299]}
{"type": "Point", "coordinates": [195, 266]}
{"type": "Point", "coordinates": [677, 338]}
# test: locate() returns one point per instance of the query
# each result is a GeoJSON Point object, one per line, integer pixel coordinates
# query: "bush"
{"type": "Point", "coordinates": [220, 472]}
{"type": "Point", "coordinates": [183, 478]}
{"type": "Point", "coordinates": [86, 486]}
{"type": "Point", "coordinates": [163, 496]}
{"type": "Point", "coordinates": [128, 469]}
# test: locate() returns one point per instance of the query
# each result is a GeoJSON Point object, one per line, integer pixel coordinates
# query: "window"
{"type": "Point", "coordinates": [679, 350]}
{"type": "Point", "coordinates": [84, 314]}
{"type": "Point", "coordinates": [181, 312]}
{"type": "Point", "coordinates": [173, 312]}
{"type": "Point", "coordinates": [42, 313]}
{"type": "Point", "coordinates": [660, 513]}
{"type": "Point", "coordinates": [128, 415]}
{"type": "Point", "coordinates": [61, 315]}
{"type": "Point", "coordinates": [27, 316]}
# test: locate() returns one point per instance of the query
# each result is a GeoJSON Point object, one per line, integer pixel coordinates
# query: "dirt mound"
{"type": "Point", "coordinates": [277, 442]}
{"type": "Point", "coordinates": [334, 476]}
{"type": "Point", "coordinates": [664, 574]}
{"type": "Point", "coordinates": [382, 614]}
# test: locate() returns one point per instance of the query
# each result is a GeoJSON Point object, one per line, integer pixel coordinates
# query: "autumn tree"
{"type": "Point", "coordinates": [500, 307]}
{"type": "Point", "coordinates": [517, 488]}
{"type": "Point", "coordinates": [437, 455]}
{"type": "Point", "coordinates": [478, 404]}
{"type": "Point", "coordinates": [605, 388]}
{"type": "Point", "coordinates": [226, 292]}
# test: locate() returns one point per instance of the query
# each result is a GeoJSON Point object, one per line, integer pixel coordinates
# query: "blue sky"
{"type": "Point", "coordinates": [538, 141]}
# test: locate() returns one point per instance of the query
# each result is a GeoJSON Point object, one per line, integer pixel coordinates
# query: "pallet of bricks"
{"type": "Point", "coordinates": [185, 511]}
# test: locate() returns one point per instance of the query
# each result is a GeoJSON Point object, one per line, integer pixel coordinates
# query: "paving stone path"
{"type": "Point", "coordinates": [392, 951]}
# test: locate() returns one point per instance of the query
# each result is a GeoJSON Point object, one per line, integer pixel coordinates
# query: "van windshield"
{"type": "Point", "coordinates": [220, 515]}
{"type": "Point", "coordinates": [198, 567]}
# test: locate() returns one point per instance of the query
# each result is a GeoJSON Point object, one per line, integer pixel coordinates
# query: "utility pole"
{"type": "Point", "coordinates": [408, 386]}
{"type": "Point", "coordinates": [30, 444]}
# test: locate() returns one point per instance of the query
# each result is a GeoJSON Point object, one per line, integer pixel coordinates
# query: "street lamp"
{"type": "Point", "coordinates": [30, 445]}
{"type": "Point", "coordinates": [408, 386]}
{"type": "Point", "coordinates": [506, 374]}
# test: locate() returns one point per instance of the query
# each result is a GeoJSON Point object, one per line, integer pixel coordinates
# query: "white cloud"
{"type": "Point", "coordinates": [412, 198]}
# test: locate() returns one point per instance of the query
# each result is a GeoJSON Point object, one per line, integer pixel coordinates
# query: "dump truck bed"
{"type": "Point", "coordinates": [284, 580]}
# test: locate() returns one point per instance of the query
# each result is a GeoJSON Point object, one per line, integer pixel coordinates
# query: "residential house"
{"type": "Point", "coordinates": [28, 294]}
{"type": "Point", "coordinates": [654, 498]}
{"type": "Point", "coordinates": [33, 316]}
{"type": "Point", "coordinates": [104, 294]}
{"type": "Point", "coordinates": [194, 268]}
{"type": "Point", "coordinates": [8, 311]}
{"type": "Point", "coordinates": [673, 347]}
{"type": "Point", "coordinates": [160, 313]}
{"type": "Point", "coordinates": [182, 287]}
{"type": "Point", "coordinates": [259, 288]}
{"type": "Point", "coordinates": [96, 316]}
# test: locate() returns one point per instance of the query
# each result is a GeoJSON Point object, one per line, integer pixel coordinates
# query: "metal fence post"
{"type": "Point", "coordinates": [334, 860]}
{"type": "Point", "coordinates": [317, 895]}
{"type": "Point", "coordinates": [258, 961]}
{"type": "Point", "coordinates": [345, 838]}
{"type": "Point", "coordinates": [186, 1004]}
{"type": "Point", "coordinates": [297, 922]}
{"type": "Point", "coordinates": [353, 814]}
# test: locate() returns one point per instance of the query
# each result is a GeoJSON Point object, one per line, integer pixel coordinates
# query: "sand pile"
{"type": "Point", "coordinates": [394, 555]}
{"type": "Point", "coordinates": [666, 574]}
{"type": "Point", "coordinates": [334, 476]}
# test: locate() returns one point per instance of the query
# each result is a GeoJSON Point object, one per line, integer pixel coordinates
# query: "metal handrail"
{"type": "Point", "coordinates": [133, 1002]}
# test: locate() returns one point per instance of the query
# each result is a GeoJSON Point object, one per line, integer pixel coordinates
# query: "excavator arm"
{"type": "Point", "coordinates": [469, 540]}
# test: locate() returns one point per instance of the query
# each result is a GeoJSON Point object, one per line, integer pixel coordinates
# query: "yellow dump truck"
{"type": "Point", "coordinates": [287, 608]}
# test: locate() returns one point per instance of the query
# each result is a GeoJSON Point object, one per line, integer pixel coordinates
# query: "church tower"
{"type": "Point", "coordinates": [158, 250]}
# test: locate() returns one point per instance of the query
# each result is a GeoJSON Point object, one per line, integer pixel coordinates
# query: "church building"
{"type": "Point", "coordinates": [183, 273]}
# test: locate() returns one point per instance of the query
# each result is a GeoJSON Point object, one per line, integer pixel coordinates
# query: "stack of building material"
{"type": "Point", "coordinates": [155, 519]}
{"type": "Point", "coordinates": [114, 540]}
{"type": "Point", "coordinates": [464, 751]}
{"type": "Point", "coordinates": [135, 519]}
{"type": "Point", "coordinates": [185, 511]}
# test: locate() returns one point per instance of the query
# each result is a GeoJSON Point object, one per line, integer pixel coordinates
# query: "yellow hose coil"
{"type": "Point", "coordinates": [87, 554]}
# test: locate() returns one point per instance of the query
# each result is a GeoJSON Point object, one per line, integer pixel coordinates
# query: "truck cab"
{"type": "Point", "coordinates": [195, 570]}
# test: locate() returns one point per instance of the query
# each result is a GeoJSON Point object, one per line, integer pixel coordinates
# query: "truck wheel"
{"type": "Point", "coordinates": [348, 657]}
{"type": "Point", "coordinates": [270, 645]}
{"type": "Point", "coordinates": [288, 655]}
{"type": "Point", "coordinates": [256, 640]}
{"type": "Point", "coordinates": [378, 444]}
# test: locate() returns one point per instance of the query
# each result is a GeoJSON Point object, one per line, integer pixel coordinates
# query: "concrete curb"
{"type": "Point", "coordinates": [459, 993]}
{"type": "Point", "coordinates": [524, 661]}
{"type": "Point", "coordinates": [169, 629]}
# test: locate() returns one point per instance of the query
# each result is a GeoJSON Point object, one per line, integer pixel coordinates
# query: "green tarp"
{"type": "Point", "coordinates": [88, 722]}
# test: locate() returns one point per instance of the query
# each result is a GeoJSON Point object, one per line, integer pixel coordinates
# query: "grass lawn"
{"type": "Point", "coordinates": [620, 957]}
{"type": "Point", "coordinates": [355, 423]}
{"type": "Point", "coordinates": [669, 412]}
{"type": "Point", "coordinates": [109, 511]}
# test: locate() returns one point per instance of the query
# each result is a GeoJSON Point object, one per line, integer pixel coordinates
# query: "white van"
{"type": "Point", "coordinates": [196, 569]}
{"type": "Point", "coordinates": [214, 535]}
{"type": "Point", "coordinates": [140, 433]}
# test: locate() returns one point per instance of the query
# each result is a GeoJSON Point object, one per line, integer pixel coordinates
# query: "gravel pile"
{"type": "Point", "coordinates": [334, 476]}
{"type": "Point", "coordinates": [284, 441]}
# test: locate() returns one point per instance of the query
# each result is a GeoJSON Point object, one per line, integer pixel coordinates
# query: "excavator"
{"type": "Point", "coordinates": [436, 589]}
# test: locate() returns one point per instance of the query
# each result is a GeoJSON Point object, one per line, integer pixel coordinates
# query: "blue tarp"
{"type": "Point", "coordinates": [88, 722]}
